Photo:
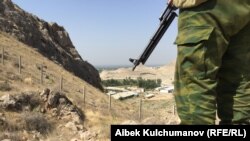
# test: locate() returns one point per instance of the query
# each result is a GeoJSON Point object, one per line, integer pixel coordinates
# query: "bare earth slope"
{"type": "Point", "coordinates": [95, 125]}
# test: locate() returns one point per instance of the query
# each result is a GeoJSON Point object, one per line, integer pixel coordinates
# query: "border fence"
{"type": "Point", "coordinates": [41, 74]}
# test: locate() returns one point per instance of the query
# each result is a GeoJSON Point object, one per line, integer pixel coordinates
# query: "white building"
{"type": "Point", "coordinates": [116, 89]}
{"type": "Point", "coordinates": [165, 89]}
{"type": "Point", "coordinates": [124, 95]}
{"type": "Point", "coordinates": [120, 93]}
{"type": "Point", "coordinates": [136, 89]}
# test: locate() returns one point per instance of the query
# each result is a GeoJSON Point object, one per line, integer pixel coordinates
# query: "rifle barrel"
{"type": "Point", "coordinates": [165, 20]}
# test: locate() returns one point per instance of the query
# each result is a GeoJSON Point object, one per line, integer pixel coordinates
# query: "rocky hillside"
{"type": "Point", "coordinates": [49, 39]}
{"type": "Point", "coordinates": [29, 111]}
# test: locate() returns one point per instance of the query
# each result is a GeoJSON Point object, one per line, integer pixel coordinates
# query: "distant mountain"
{"type": "Point", "coordinates": [49, 39]}
{"type": "Point", "coordinates": [165, 72]}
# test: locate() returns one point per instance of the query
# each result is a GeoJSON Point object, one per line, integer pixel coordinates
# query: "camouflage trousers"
{"type": "Point", "coordinates": [213, 63]}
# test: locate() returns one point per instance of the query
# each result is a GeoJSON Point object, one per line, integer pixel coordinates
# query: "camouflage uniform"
{"type": "Point", "coordinates": [213, 63]}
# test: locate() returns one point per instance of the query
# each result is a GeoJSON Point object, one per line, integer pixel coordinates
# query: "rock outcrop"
{"type": "Point", "coordinates": [49, 39]}
{"type": "Point", "coordinates": [33, 116]}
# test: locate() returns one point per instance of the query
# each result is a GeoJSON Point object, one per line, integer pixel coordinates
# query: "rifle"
{"type": "Point", "coordinates": [166, 19]}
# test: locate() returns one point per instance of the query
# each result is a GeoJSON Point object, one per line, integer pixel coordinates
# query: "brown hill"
{"type": "Point", "coordinates": [49, 39]}
{"type": "Point", "coordinates": [165, 73]}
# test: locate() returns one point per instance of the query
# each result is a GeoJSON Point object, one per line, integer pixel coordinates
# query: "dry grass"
{"type": "Point", "coordinates": [97, 116]}
{"type": "Point", "coordinates": [37, 122]}
{"type": "Point", "coordinates": [5, 86]}
{"type": "Point", "coordinates": [29, 80]}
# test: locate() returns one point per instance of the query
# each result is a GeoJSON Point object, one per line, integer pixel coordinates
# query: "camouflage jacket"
{"type": "Point", "coordinates": [187, 3]}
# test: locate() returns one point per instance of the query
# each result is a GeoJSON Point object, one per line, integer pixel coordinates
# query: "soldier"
{"type": "Point", "coordinates": [213, 62]}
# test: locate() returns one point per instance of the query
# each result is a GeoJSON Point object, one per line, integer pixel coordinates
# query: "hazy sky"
{"type": "Point", "coordinates": [109, 32]}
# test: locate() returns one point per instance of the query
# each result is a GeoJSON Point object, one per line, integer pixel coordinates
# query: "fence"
{"type": "Point", "coordinates": [40, 72]}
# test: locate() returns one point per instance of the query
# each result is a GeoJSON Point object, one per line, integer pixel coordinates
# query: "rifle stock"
{"type": "Point", "coordinates": [165, 21]}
